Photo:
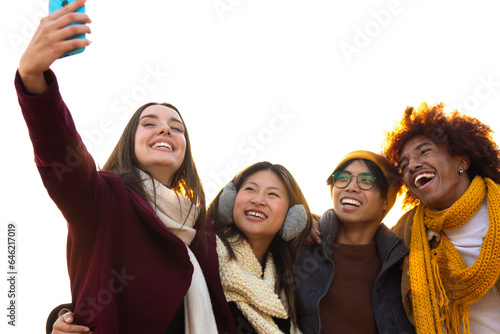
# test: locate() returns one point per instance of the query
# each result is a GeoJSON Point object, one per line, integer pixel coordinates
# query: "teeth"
{"type": "Point", "coordinates": [256, 214]}
{"type": "Point", "coordinates": [351, 201]}
{"type": "Point", "coordinates": [429, 176]}
{"type": "Point", "coordinates": [162, 144]}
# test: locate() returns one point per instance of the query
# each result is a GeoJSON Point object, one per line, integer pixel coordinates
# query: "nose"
{"type": "Point", "coordinates": [164, 129]}
{"type": "Point", "coordinates": [414, 164]}
{"type": "Point", "coordinates": [258, 199]}
{"type": "Point", "coordinates": [353, 184]}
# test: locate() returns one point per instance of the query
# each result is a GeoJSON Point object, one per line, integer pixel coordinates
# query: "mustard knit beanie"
{"type": "Point", "coordinates": [389, 170]}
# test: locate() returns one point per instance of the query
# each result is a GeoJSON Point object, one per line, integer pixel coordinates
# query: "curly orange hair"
{"type": "Point", "coordinates": [460, 134]}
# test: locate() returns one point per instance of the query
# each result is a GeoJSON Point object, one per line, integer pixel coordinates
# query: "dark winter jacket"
{"type": "Point", "coordinates": [316, 271]}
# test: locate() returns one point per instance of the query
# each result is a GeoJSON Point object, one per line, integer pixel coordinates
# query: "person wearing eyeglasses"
{"type": "Point", "coordinates": [351, 281]}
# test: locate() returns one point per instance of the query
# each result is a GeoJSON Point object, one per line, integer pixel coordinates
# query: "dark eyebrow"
{"type": "Point", "coordinates": [174, 119]}
{"type": "Point", "coordinates": [255, 183]}
{"type": "Point", "coordinates": [419, 146]}
{"type": "Point", "coordinates": [148, 116]}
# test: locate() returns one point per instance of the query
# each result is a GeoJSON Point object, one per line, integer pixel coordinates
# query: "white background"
{"type": "Point", "coordinates": [300, 83]}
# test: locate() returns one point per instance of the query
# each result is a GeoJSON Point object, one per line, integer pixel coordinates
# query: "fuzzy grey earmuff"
{"type": "Point", "coordinates": [226, 203]}
{"type": "Point", "coordinates": [295, 222]}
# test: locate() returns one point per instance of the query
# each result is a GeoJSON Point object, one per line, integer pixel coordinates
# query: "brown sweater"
{"type": "Point", "coordinates": [347, 305]}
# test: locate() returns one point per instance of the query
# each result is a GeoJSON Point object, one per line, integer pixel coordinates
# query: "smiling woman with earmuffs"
{"type": "Point", "coordinates": [261, 219]}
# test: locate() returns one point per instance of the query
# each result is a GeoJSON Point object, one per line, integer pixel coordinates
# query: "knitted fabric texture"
{"type": "Point", "coordinates": [443, 287]}
{"type": "Point", "coordinates": [250, 288]}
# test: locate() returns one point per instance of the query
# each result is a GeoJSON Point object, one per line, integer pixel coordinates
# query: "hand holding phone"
{"type": "Point", "coordinates": [49, 42]}
{"type": "Point", "coordinates": [58, 4]}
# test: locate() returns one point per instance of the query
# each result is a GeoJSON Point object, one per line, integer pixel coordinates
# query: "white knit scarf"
{"type": "Point", "coordinates": [179, 216]}
{"type": "Point", "coordinates": [251, 289]}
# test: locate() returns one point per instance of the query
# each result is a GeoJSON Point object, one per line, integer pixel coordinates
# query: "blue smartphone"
{"type": "Point", "coordinates": [58, 4]}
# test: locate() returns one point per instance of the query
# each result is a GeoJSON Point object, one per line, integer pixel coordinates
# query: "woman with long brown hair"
{"type": "Point", "coordinates": [140, 257]}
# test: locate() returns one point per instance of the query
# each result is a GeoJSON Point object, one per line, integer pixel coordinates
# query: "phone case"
{"type": "Point", "coordinates": [58, 4]}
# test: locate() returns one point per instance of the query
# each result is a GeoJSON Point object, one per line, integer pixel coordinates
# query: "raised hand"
{"type": "Point", "coordinates": [50, 42]}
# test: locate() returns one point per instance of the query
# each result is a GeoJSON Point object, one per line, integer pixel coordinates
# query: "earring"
{"type": "Point", "coordinates": [461, 171]}
{"type": "Point", "coordinates": [295, 222]}
{"type": "Point", "coordinates": [226, 203]}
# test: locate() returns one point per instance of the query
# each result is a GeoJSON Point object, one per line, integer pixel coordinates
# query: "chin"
{"type": "Point", "coordinates": [433, 204]}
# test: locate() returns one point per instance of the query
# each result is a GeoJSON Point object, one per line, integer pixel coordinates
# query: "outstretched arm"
{"type": "Point", "coordinates": [50, 42]}
{"type": "Point", "coordinates": [67, 169]}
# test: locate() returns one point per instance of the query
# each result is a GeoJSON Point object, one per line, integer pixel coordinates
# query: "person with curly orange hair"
{"type": "Point", "coordinates": [450, 165]}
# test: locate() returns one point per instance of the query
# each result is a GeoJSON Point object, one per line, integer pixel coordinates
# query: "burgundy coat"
{"type": "Point", "coordinates": [128, 272]}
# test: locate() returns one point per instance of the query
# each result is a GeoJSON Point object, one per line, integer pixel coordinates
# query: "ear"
{"type": "Point", "coordinates": [464, 162]}
{"type": "Point", "coordinates": [386, 205]}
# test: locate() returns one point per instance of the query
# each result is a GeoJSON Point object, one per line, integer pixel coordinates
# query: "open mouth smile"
{"type": "Point", "coordinates": [162, 145]}
{"type": "Point", "coordinates": [350, 202]}
{"type": "Point", "coordinates": [255, 214]}
{"type": "Point", "coordinates": [423, 179]}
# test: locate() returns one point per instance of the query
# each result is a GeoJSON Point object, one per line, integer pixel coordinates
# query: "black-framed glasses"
{"type": "Point", "coordinates": [365, 181]}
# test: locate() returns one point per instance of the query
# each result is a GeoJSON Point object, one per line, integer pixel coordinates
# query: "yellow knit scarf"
{"type": "Point", "coordinates": [442, 286]}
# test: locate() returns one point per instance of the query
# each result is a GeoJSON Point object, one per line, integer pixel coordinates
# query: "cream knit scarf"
{"type": "Point", "coordinates": [179, 216]}
{"type": "Point", "coordinates": [442, 286]}
{"type": "Point", "coordinates": [251, 289]}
